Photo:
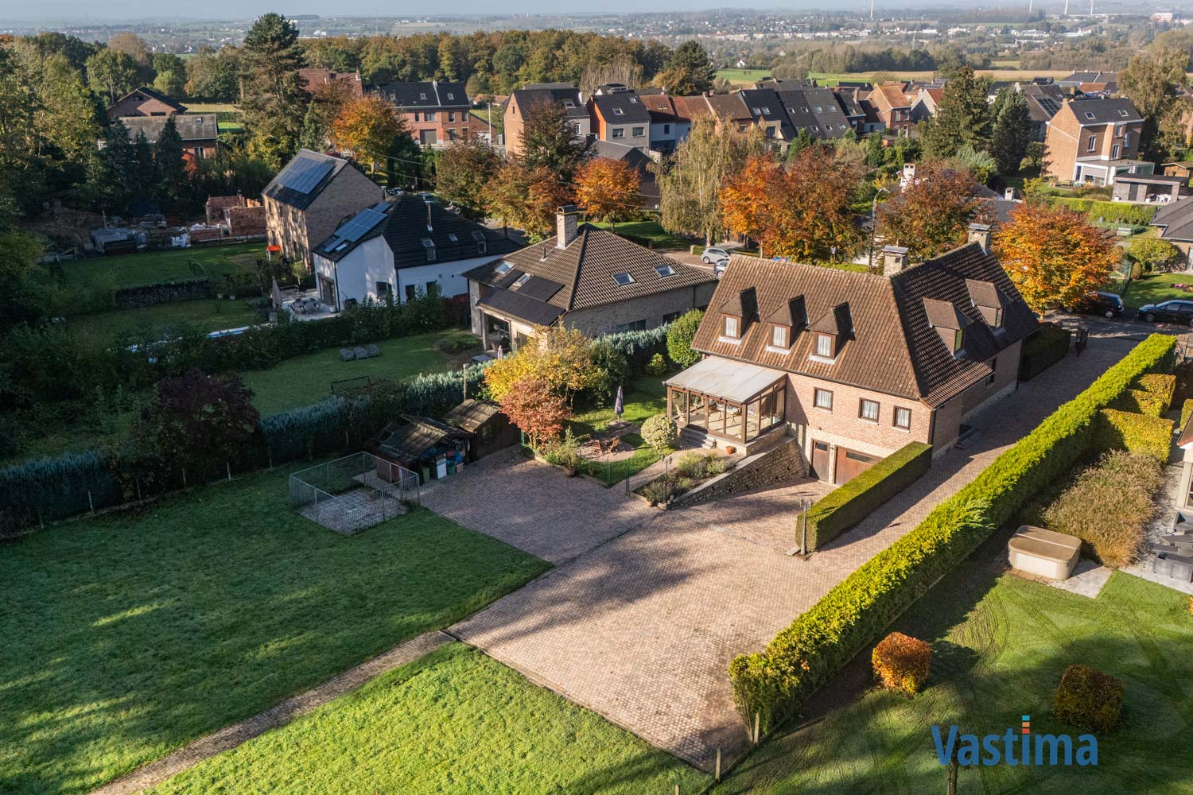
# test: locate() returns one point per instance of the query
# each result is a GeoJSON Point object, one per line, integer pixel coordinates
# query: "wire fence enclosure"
{"type": "Point", "coordinates": [355, 492]}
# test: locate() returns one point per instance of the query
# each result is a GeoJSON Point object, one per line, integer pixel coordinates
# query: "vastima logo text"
{"type": "Point", "coordinates": [1015, 747]}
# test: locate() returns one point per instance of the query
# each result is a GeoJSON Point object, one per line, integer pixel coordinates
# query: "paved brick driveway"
{"type": "Point", "coordinates": [642, 627]}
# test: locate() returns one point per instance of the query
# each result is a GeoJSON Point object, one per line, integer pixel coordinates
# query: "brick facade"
{"type": "Point", "coordinates": [298, 231]}
{"type": "Point", "coordinates": [654, 310]}
{"type": "Point", "coordinates": [1068, 140]}
{"type": "Point", "coordinates": [780, 465]}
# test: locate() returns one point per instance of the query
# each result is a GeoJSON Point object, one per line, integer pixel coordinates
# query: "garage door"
{"type": "Point", "coordinates": [850, 464]}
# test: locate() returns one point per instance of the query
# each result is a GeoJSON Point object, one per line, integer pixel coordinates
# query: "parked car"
{"type": "Point", "coordinates": [1168, 312]}
{"type": "Point", "coordinates": [712, 256]}
{"type": "Point", "coordinates": [718, 270]}
{"type": "Point", "coordinates": [1098, 303]}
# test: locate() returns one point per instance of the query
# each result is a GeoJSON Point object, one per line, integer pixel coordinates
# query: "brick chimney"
{"type": "Point", "coordinates": [894, 259]}
{"type": "Point", "coordinates": [566, 225]}
{"type": "Point", "coordinates": [980, 234]}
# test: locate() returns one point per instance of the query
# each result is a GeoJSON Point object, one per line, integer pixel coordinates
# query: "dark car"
{"type": "Point", "coordinates": [1169, 312]}
{"type": "Point", "coordinates": [1105, 304]}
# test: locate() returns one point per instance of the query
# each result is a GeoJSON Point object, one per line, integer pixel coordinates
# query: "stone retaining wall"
{"type": "Point", "coordinates": [777, 466]}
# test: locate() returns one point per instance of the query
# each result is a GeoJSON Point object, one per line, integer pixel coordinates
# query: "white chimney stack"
{"type": "Point", "coordinates": [894, 259]}
{"type": "Point", "coordinates": [566, 225]}
{"type": "Point", "coordinates": [980, 234]}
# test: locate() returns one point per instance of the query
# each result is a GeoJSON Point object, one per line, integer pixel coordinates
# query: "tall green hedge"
{"type": "Point", "coordinates": [846, 505]}
{"type": "Point", "coordinates": [1109, 212]}
{"type": "Point", "coordinates": [1135, 433]}
{"type": "Point", "coordinates": [772, 683]}
{"type": "Point", "coordinates": [1042, 351]}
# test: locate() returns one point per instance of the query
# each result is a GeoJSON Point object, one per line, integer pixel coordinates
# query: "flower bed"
{"type": "Point", "coordinates": [692, 469]}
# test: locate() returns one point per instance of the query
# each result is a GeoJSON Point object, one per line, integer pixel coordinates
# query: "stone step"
{"type": "Point", "coordinates": [697, 437]}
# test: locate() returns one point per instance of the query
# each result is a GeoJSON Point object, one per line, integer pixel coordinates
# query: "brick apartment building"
{"type": "Point", "coordinates": [1093, 141]}
{"type": "Point", "coordinates": [436, 112]}
{"type": "Point", "coordinates": [854, 365]}
{"type": "Point", "coordinates": [619, 115]}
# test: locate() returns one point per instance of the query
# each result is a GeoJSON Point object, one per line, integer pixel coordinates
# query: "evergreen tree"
{"type": "Point", "coordinates": [689, 70]}
{"type": "Point", "coordinates": [874, 150]}
{"type": "Point", "coordinates": [141, 174]}
{"type": "Point", "coordinates": [275, 102]}
{"type": "Point", "coordinates": [108, 171]}
{"type": "Point", "coordinates": [1012, 130]}
{"type": "Point", "coordinates": [548, 140]}
{"type": "Point", "coordinates": [172, 181]}
{"type": "Point", "coordinates": [962, 118]}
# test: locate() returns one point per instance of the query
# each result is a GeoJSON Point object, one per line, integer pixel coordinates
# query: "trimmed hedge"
{"type": "Point", "coordinates": [1135, 433]}
{"type": "Point", "coordinates": [902, 662]}
{"type": "Point", "coordinates": [846, 505]}
{"type": "Point", "coordinates": [1109, 212]}
{"type": "Point", "coordinates": [1162, 386]}
{"type": "Point", "coordinates": [1042, 351]}
{"type": "Point", "coordinates": [772, 683]}
{"type": "Point", "coordinates": [1186, 412]}
{"type": "Point", "coordinates": [163, 293]}
{"type": "Point", "coordinates": [1088, 699]}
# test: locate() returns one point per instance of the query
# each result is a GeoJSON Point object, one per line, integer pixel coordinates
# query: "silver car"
{"type": "Point", "coordinates": [714, 256]}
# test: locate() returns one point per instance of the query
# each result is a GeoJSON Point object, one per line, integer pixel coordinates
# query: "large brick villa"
{"type": "Point", "coordinates": [855, 365]}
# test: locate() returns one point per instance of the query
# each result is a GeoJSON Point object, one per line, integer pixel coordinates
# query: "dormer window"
{"type": "Point", "coordinates": [825, 347]}
{"type": "Point", "coordinates": [780, 336]}
{"type": "Point", "coordinates": [731, 327]}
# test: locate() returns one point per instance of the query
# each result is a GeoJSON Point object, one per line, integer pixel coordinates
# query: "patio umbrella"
{"type": "Point", "coordinates": [499, 353]}
{"type": "Point", "coordinates": [619, 404]}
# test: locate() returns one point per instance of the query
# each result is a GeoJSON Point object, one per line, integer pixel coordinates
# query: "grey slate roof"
{"type": "Point", "coordinates": [552, 94]}
{"type": "Point", "coordinates": [815, 110]}
{"type": "Point", "coordinates": [1104, 111]}
{"type": "Point", "coordinates": [583, 274]}
{"type": "Point", "coordinates": [622, 107]}
{"type": "Point", "coordinates": [405, 228]}
{"type": "Point", "coordinates": [429, 94]}
{"type": "Point", "coordinates": [191, 127]}
{"type": "Point", "coordinates": [305, 158]}
{"type": "Point", "coordinates": [1176, 220]}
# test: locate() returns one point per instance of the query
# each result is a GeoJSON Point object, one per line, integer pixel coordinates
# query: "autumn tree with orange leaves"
{"type": "Point", "coordinates": [607, 189]}
{"type": "Point", "coordinates": [367, 127]}
{"type": "Point", "coordinates": [931, 214]}
{"type": "Point", "coordinates": [1053, 255]}
{"type": "Point", "coordinates": [526, 198]}
{"type": "Point", "coordinates": [802, 211]}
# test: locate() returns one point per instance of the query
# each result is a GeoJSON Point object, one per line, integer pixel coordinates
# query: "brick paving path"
{"type": "Point", "coordinates": [641, 628]}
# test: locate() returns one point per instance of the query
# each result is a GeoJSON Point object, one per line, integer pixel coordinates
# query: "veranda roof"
{"type": "Point", "coordinates": [726, 379]}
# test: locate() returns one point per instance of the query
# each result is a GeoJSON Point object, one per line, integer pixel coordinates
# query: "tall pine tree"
{"type": "Point", "coordinates": [1012, 130]}
{"type": "Point", "coordinates": [274, 102]}
{"type": "Point", "coordinates": [962, 118]}
{"type": "Point", "coordinates": [172, 182]}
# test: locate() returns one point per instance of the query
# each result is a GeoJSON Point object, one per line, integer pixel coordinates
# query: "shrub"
{"type": "Point", "coordinates": [565, 452]}
{"type": "Point", "coordinates": [846, 505]}
{"type": "Point", "coordinates": [162, 293]}
{"type": "Point", "coordinates": [1186, 412]}
{"type": "Point", "coordinates": [613, 370]}
{"type": "Point", "coordinates": [656, 490]}
{"type": "Point", "coordinates": [1135, 433]}
{"type": "Point", "coordinates": [679, 338]}
{"type": "Point", "coordinates": [1088, 699]}
{"type": "Point", "coordinates": [699, 466]}
{"type": "Point", "coordinates": [1109, 506]}
{"type": "Point", "coordinates": [1160, 386]}
{"type": "Point", "coordinates": [902, 662]}
{"type": "Point", "coordinates": [1152, 252]}
{"type": "Point", "coordinates": [771, 684]}
{"type": "Point", "coordinates": [1042, 351]}
{"type": "Point", "coordinates": [660, 432]}
{"type": "Point", "coordinates": [657, 366]}
{"type": "Point", "coordinates": [1139, 401]}
{"type": "Point", "coordinates": [639, 346]}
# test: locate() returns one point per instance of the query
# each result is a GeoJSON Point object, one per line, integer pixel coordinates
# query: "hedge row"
{"type": "Point", "coordinates": [1186, 412]}
{"type": "Point", "coordinates": [846, 505]}
{"type": "Point", "coordinates": [1042, 351]}
{"type": "Point", "coordinates": [162, 293]}
{"type": "Point", "coordinates": [1134, 432]}
{"type": "Point", "coordinates": [1110, 212]}
{"type": "Point", "coordinates": [771, 684]}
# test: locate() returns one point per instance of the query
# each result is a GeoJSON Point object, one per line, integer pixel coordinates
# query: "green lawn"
{"type": "Point", "coordinates": [454, 721]}
{"type": "Point", "coordinates": [128, 270]}
{"type": "Point", "coordinates": [152, 322]}
{"type": "Point", "coordinates": [1000, 645]}
{"type": "Point", "coordinates": [1157, 287]}
{"type": "Point", "coordinates": [307, 379]}
{"type": "Point", "coordinates": [644, 399]}
{"type": "Point", "coordinates": [742, 77]}
{"type": "Point", "coordinates": [482, 115]}
{"type": "Point", "coordinates": [127, 636]}
{"type": "Point", "coordinates": [649, 230]}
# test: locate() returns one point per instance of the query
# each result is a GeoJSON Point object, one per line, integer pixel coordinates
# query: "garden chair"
{"type": "Point", "coordinates": [374, 351]}
{"type": "Point", "coordinates": [361, 353]}
{"type": "Point", "coordinates": [346, 355]}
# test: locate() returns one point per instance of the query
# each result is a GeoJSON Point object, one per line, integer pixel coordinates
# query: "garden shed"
{"type": "Point", "coordinates": [430, 448]}
{"type": "Point", "coordinates": [490, 428]}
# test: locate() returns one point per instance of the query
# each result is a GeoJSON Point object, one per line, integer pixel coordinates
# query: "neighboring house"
{"type": "Point", "coordinates": [619, 115]}
{"type": "Point", "coordinates": [308, 198]}
{"type": "Point", "coordinates": [1176, 226]}
{"type": "Point", "coordinates": [648, 187]}
{"type": "Point", "coordinates": [1148, 188]}
{"type": "Point", "coordinates": [436, 112]}
{"type": "Point", "coordinates": [731, 107]}
{"type": "Point", "coordinates": [558, 94]}
{"type": "Point", "coordinates": [199, 132]}
{"type": "Point", "coordinates": [769, 113]}
{"type": "Point", "coordinates": [816, 111]}
{"type": "Point", "coordinates": [667, 129]}
{"type": "Point", "coordinates": [396, 250]}
{"type": "Point", "coordinates": [1093, 141]}
{"type": "Point", "coordinates": [314, 79]}
{"type": "Point", "coordinates": [892, 107]}
{"type": "Point", "coordinates": [583, 278]}
{"type": "Point", "coordinates": [144, 102]}
{"type": "Point", "coordinates": [1043, 102]}
{"type": "Point", "coordinates": [854, 365]}
{"type": "Point", "coordinates": [926, 104]}
{"type": "Point", "coordinates": [855, 115]}
{"type": "Point", "coordinates": [1079, 79]}
{"type": "Point", "coordinates": [1181, 168]}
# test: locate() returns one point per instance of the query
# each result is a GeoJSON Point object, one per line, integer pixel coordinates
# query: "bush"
{"type": "Point", "coordinates": [1186, 412]}
{"type": "Point", "coordinates": [1109, 212]}
{"type": "Point", "coordinates": [613, 368]}
{"type": "Point", "coordinates": [639, 346]}
{"type": "Point", "coordinates": [700, 466]}
{"type": "Point", "coordinates": [162, 293]}
{"type": "Point", "coordinates": [1133, 432]}
{"type": "Point", "coordinates": [660, 432]}
{"type": "Point", "coordinates": [1088, 699]}
{"type": "Point", "coordinates": [1152, 252]}
{"type": "Point", "coordinates": [1042, 351]}
{"type": "Point", "coordinates": [902, 662]}
{"type": "Point", "coordinates": [657, 366]}
{"type": "Point", "coordinates": [679, 338]}
{"type": "Point", "coordinates": [771, 684]}
{"type": "Point", "coordinates": [846, 505]}
{"type": "Point", "coordinates": [1109, 506]}
{"type": "Point", "coordinates": [44, 489]}
{"type": "Point", "coordinates": [1162, 387]}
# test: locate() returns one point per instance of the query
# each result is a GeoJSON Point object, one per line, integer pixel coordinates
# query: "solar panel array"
{"type": "Point", "coordinates": [540, 289]}
{"type": "Point", "coordinates": [360, 225]}
{"type": "Point", "coordinates": [303, 174]}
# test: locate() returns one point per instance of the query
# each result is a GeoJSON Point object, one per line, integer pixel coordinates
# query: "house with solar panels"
{"type": "Point", "coordinates": [583, 278]}
{"type": "Point", "coordinates": [309, 198]}
{"type": "Point", "coordinates": [399, 249]}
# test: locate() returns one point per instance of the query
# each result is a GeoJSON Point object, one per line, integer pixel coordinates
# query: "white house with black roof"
{"type": "Point", "coordinates": [401, 248]}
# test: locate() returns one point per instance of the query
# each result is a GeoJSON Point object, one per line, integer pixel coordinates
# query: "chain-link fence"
{"type": "Point", "coordinates": [352, 493]}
